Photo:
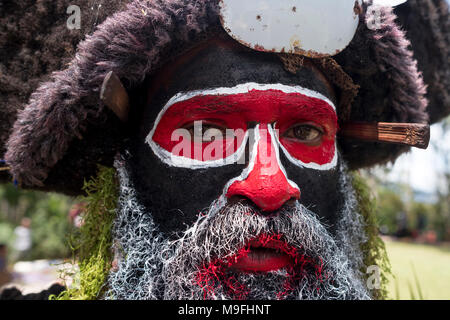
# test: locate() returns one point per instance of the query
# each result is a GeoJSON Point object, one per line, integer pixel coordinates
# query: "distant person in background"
{"type": "Point", "coordinates": [402, 226]}
{"type": "Point", "coordinates": [22, 243]}
{"type": "Point", "coordinates": [3, 260]}
{"type": "Point", "coordinates": [76, 214]}
{"type": "Point", "coordinates": [421, 224]}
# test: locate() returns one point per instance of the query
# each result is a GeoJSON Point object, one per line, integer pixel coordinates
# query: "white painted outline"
{"type": "Point", "coordinates": [276, 144]}
{"type": "Point", "coordinates": [251, 163]}
{"type": "Point", "coordinates": [185, 162]}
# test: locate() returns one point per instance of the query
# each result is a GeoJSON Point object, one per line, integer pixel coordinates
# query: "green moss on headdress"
{"type": "Point", "coordinates": [92, 244]}
{"type": "Point", "coordinates": [374, 249]}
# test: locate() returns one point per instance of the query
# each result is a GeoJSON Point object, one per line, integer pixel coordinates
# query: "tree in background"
{"type": "Point", "coordinates": [398, 212]}
{"type": "Point", "coordinates": [389, 206]}
{"type": "Point", "coordinates": [441, 221]}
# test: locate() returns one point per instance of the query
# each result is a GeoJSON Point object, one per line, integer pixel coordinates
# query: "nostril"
{"type": "Point", "coordinates": [235, 199]}
{"type": "Point", "coordinates": [291, 202]}
{"type": "Point", "coordinates": [245, 201]}
{"type": "Point", "coordinates": [255, 209]}
{"type": "Point", "coordinates": [265, 198]}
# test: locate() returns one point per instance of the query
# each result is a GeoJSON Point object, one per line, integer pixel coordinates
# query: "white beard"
{"type": "Point", "coordinates": [150, 266]}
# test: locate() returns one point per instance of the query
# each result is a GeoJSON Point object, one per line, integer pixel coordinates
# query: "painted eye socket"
{"type": "Point", "coordinates": [204, 132]}
{"type": "Point", "coordinates": [305, 133]}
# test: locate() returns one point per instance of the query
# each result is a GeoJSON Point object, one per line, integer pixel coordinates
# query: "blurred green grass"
{"type": "Point", "coordinates": [421, 271]}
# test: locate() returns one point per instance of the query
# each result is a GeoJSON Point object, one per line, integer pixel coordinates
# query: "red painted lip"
{"type": "Point", "coordinates": [262, 257]}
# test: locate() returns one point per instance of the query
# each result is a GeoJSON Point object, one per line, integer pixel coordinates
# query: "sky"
{"type": "Point", "coordinates": [420, 168]}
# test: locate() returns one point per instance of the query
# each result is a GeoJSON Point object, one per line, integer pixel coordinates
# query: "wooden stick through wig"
{"type": "Point", "coordinates": [411, 134]}
{"type": "Point", "coordinates": [114, 96]}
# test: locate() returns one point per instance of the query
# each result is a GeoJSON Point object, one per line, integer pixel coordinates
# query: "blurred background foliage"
{"type": "Point", "coordinates": [50, 222]}
{"type": "Point", "coordinates": [401, 215]}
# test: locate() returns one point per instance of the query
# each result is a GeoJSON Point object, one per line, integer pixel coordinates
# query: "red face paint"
{"type": "Point", "coordinates": [235, 111]}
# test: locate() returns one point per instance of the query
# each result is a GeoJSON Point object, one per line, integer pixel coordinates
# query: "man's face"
{"type": "Point", "coordinates": [236, 172]}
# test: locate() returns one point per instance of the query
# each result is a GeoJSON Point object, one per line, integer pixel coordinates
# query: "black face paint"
{"type": "Point", "coordinates": [321, 192]}
{"type": "Point", "coordinates": [176, 195]}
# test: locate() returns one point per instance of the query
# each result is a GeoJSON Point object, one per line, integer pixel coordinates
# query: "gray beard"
{"type": "Point", "coordinates": [150, 266]}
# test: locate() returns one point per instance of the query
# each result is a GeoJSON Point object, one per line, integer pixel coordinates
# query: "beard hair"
{"type": "Point", "coordinates": [150, 266]}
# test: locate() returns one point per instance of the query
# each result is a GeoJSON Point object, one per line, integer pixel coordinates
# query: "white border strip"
{"type": "Point", "coordinates": [276, 144]}
{"type": "Point", "coordinates": [245, 173]}
{"type": "Point", "coordinates": [185, 162]}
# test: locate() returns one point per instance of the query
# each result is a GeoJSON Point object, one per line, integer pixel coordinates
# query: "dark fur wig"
{"type": "Point", "coordinates": [64, 131]}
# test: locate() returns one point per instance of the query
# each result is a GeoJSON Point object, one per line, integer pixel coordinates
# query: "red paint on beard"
{"type": "Point", "coordinates": [224, 273]}
{"type": "Point", "coordinates": [235, 111]}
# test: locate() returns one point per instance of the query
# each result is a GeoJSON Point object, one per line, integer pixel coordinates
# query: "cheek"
{"type": "Point", "coordinates": [320, 189]}
{"type": "Point", "coordinates": [321, 155]}
{"type": "Point", "coordinates": [175, 196]}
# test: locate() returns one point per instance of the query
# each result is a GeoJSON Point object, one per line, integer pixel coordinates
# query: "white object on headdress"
{"type": "Point", "coordinates": [311, 28]}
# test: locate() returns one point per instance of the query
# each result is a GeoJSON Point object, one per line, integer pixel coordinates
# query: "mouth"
{"type": "Point", "coordinates": [262, 255]}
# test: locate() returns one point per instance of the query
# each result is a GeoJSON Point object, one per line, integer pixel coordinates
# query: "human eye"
{"type": "Point", "coordinates": [306, 133]}
{"type": "Point", "coordinates": [205, 132]}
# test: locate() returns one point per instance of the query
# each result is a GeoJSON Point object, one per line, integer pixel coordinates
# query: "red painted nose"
{"type": "Point", "coordinates": [266, 184]}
